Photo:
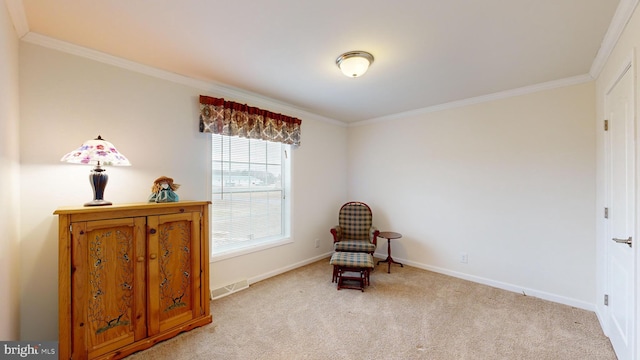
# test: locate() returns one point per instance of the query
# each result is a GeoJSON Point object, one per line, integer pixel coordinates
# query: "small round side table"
{"type": "Point", "coordinates": [389, 235]}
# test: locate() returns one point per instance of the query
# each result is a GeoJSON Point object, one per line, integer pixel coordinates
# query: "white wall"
{"type": "Point", "coordinates": [624, 51]}
{"type": "Point", "coordinates": [67, 99]}
{"type": "Point", "coordinates": [9, 170]}
{"type": "Point", "coordinates": [510, 182]}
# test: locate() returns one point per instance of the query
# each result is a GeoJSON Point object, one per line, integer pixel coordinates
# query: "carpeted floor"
{"type": "Point", "coordinates": [408, 314]}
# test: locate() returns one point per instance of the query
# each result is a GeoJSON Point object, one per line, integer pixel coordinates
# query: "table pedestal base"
{"type": "Point", "coordinates": [390, 261]}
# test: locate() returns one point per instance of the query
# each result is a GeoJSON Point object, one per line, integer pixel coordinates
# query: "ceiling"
{"type": "Point", "coordinates": [427, 52]}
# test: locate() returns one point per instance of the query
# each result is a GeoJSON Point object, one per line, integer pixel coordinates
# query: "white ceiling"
{"type": "Point", "coordinates": [427, 52]}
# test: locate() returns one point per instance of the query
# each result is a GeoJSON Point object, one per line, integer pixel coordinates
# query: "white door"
{"type": "Point", "coordinates": [620, 145]}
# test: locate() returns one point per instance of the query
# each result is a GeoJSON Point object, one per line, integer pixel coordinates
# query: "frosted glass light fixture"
{"type": "Point", "coordinates": [354, 63]}
{"type": "Point", "coordinates": [97, 152]}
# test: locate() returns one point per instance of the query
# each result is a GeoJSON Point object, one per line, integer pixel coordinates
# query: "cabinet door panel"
{"type": "Point", "coordinates": [107, 281]}
{"type": "Point", "coordinates": [174, 269]}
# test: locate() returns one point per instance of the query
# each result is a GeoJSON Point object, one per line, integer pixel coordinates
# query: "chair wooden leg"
{"type": "Point", "coordinates": [361, 279]}
{"type": "Point", "coordinates": [342, 273]}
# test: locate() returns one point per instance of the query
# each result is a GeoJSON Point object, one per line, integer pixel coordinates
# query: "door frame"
{"type": "Point", "coordinates": [628, 65]}
{"type": "Point", "coordinates": [636, 254]}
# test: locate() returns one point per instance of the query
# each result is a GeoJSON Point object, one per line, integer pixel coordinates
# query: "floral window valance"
{"type": "Point", "coordinates": [223, 117]}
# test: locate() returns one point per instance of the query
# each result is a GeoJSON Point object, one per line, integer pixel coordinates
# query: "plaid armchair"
{"type": "Point", "coordinates": [355, 231]}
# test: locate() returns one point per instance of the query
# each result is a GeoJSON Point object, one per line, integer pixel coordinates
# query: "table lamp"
{"type": "Point", "coordinates": [98, 152]}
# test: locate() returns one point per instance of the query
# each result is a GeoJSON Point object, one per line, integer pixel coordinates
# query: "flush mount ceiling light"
{"type": "Point", "coordinates": [354, 63]}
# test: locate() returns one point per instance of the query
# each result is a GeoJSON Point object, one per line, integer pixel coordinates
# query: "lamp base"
{"type": "Point", "coordinates": [98, 203]}
{"type": "Point", "coordinates": [98, 179]}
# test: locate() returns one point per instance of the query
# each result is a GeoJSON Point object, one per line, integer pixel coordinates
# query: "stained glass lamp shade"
{"type": "Point", "coordinates": [97, 152]}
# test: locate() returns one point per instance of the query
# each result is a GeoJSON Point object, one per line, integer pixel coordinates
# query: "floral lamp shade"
{"type": "Point", "coordinates": [97, 152]}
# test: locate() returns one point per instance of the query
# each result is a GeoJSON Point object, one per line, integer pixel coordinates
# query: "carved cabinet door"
{"type": "Point", "coordinates": [108, 285]}
{"type": "Point", "coordinates": [174, 270]}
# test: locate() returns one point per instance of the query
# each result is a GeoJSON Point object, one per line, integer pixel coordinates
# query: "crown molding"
{"type": "Point", "coordinates": [619, 21]}
{"type": "Point", "coordinates": [575, 80]}
{"type": "Point", "coordinates": [212, 88]}
{"type": "Point", "coordinates": [621, 17]}
{"type": "Point", "coordinates": [18, 17]}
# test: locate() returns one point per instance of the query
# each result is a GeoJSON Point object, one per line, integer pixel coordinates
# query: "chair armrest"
{"type": "Point", "coordinates": [373, 235]}
{"type": "Point", "coordinates": [336, 231]}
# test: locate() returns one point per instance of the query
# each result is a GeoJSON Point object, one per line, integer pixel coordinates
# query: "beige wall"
{"type": "Point", "coordinates": [67, 99]}
{"type": "Point", "coordinates": [508, 182]}
{"type": "Point", "coordinates": [624, 52]}
{"type": "Point", "coordinates": [9, 168]}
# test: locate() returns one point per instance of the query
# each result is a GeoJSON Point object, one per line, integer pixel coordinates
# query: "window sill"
{"type": "Point", "coordinates": [228, 254]}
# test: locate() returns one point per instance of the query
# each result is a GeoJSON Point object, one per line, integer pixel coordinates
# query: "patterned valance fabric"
{"type": "Point", "coordinates": [223, 117]}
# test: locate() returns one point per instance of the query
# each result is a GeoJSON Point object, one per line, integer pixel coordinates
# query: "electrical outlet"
{"type": "Point", "coordinates": [464, 258]}
{"type": "Point", "coordinates": [317, 243]}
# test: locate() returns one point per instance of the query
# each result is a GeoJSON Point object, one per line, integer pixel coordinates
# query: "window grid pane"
{"type": "Point", "coordinates": [247, 191]}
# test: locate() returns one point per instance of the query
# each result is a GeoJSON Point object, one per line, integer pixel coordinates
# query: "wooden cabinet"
{"type": "Point", "coordinates": [130, 276]}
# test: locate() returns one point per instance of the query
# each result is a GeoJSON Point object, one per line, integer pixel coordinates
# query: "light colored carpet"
{"type": "Point", "coordinates": [408, 314]}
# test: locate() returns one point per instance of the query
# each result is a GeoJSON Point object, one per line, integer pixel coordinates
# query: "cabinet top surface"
{"type": "Point", "coordinates": [130, 206]}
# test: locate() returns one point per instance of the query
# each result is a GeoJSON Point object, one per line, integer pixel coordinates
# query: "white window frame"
{"type": "Point", "coordinates": [265, 243]}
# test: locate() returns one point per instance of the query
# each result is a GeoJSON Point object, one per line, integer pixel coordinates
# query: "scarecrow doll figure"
{"type": "Point", "coordinates": [163, 190]}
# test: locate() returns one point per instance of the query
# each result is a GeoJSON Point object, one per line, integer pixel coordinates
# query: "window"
{"type": "Point", "coordinates": [250, 182]}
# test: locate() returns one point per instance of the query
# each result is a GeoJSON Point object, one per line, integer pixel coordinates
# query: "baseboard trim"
{"type": "Point", "coordinates": [283, 270]}
{"type": "Point", "coordinates": [501, 285]}
{"type": "Point", "coordinates": [477, 279]}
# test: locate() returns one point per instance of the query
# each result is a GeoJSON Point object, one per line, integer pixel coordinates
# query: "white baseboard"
{"type": "Point", "coordinates": [477, 279]}
{"type": "Point", "coordinates": [283, 270]}
{"type": "Point", "coordinates": [501, 285]}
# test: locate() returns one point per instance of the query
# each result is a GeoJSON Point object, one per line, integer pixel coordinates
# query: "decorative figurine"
{"type": "Point", "coordinates": [163, 190]}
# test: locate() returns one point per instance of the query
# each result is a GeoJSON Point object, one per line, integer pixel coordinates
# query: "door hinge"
{"type": "Point", "coordinates": [70, 228]}
{"type": "Point", "coordinates": [606, 213]}
{"type": "Point", "coordinates": [606, 300]}
{"type": "Point", "coordinates": [606, 125]}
